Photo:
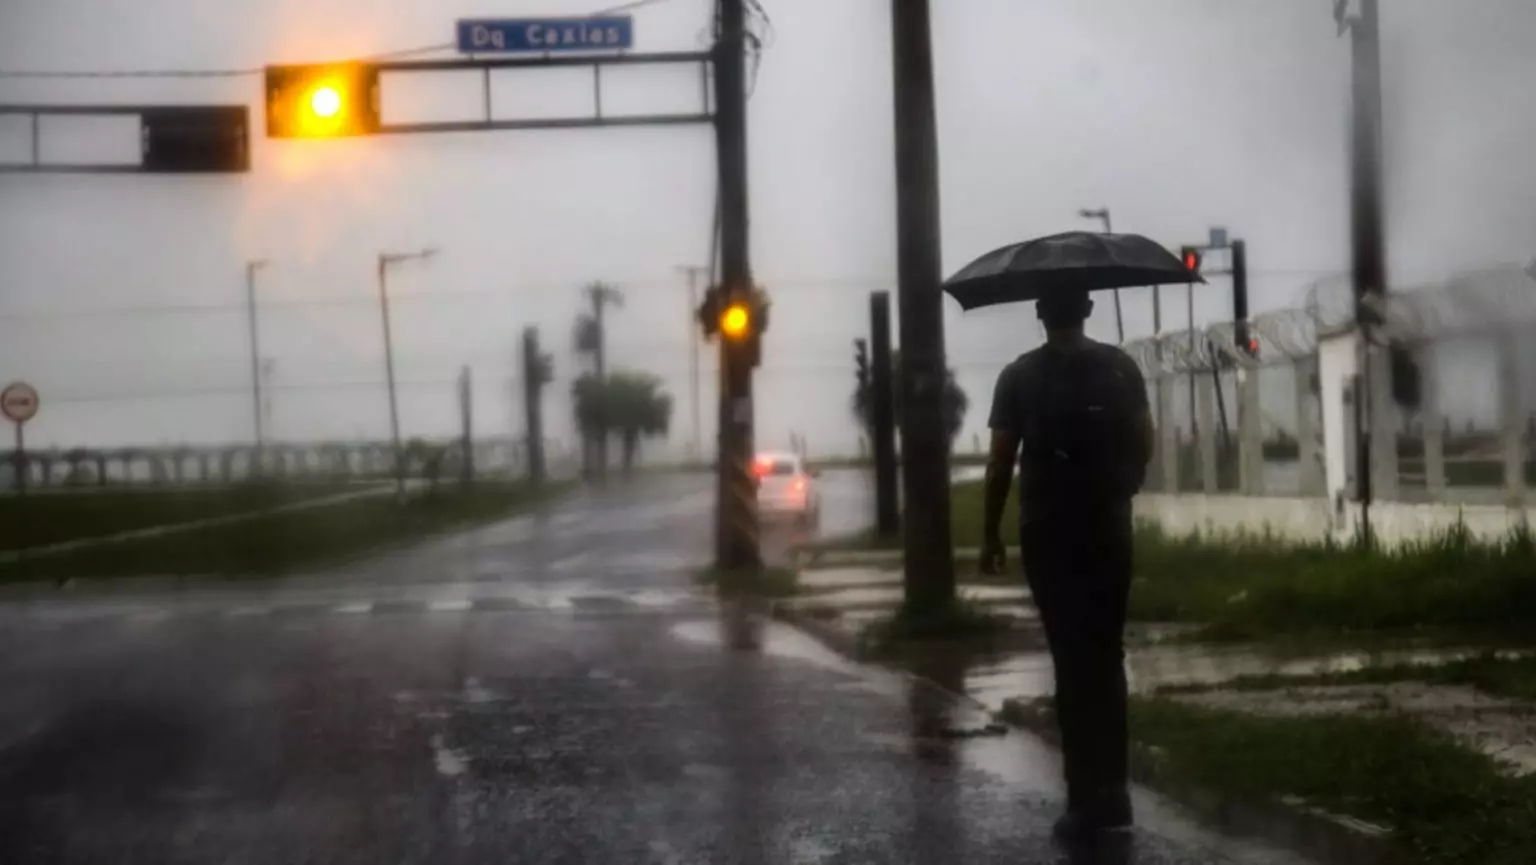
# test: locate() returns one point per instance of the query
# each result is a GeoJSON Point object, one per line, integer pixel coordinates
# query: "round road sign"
{"type": "Point", "coordinates": [19, 401]}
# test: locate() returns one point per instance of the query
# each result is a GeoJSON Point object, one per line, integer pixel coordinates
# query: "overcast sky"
{"type": "Point", "coordinates": [122, 297]}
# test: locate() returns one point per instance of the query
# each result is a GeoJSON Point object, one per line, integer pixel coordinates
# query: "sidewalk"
{"type": "Point", "coordinates": [1252, 685]}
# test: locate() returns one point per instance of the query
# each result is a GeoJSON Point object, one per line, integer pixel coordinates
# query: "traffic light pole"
{"type": "Point", "coordinates": [929, 555]}
{"type": "Point", "coordinates": [737, 544]}
{"type": "Point", "coordinates": [883, 425]}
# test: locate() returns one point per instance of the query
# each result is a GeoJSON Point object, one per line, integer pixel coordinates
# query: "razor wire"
{"type": "Point", "coordinates": [1479, 302]}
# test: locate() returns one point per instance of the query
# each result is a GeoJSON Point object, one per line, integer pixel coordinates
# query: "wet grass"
{"type": "Point", "coordinates": [44, 518]}
{"type": "Point", "coordinates": [286, 542]}
{"type": "Point", "coordinates": [1257, 587]}
{"type": "Point", "coordinates": [1514, 678]}
{"type": "Point", "coordinates": [1446, 804]}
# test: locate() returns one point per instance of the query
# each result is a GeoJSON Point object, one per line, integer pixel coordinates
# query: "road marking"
{"type": "Point", "coordinates": [355, 608]}
{"type": "Point", "coordinates": [448, 762]}
{"type": "Point", "coordinates": [248, 611]}
{"type": "Point", "coordinates": [454, 605]}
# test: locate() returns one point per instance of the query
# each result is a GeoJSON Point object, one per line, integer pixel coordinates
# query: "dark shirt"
{"type": "Point", "coordinates": [1021, 389]}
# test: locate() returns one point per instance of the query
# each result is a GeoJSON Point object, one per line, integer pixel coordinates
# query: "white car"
{"type": "Point", "coordinates": [785, 488]}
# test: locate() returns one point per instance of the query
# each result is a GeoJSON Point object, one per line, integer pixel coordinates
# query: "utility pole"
{"type": "Point", "coordinates": [1102, 214]}
{"type": "Point", "coordinates": [693, 272]}
{"type": "Point", "coordinates": [385, 260]}
{"type": "Point", "coordinates": [466, 419]}
{"type": "Point", "coordinates": [1367, 231]}
{"type": "Point", "coordinates": [737, 542]}
{"type": "Point", "coordinates": [928, 543]}
{"type": "Point", "coordinates": [538, 370]}
{"type": "Point", "coordinates": [883, 410]}
{"type": "Point", "coordinates": [601, 295]}
{"type": "Point", "coordinates": [250, 314]}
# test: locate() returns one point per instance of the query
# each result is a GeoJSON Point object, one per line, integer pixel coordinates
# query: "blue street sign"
{"type": "Point", "coordinates": [540, 35]}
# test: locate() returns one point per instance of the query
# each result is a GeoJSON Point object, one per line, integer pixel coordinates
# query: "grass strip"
{"type": "Point", "coordinates": [1446, 804]}
{"type": "Point", "coordinates": [44, 518]}
{"type": "Point", "coordinates": [285, 542]}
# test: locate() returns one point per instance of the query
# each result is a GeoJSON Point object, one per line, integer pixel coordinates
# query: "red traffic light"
{"type": "Point", "coordinates": [1192, 260]}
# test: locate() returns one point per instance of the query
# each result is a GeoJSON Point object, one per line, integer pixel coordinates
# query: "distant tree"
{"type": "Point", "coordinates": [628, 404]}
{"type": "Point", "coordinates": [638, 409]}
{"type": "Point", "coordinates": [426, 459]}
{"type": "Point", "coordinates": [956, 403]}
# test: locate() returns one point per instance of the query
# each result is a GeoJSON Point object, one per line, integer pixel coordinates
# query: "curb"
{"type": "Point", "coordinates": [1326, 838]}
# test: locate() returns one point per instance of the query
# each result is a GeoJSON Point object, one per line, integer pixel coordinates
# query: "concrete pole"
{"type": "Point", "coordinates": [1384, 423]}
{"type": "Point", "coordinates": [1511, 426]}
{"type": "Point", "coordinates": [1205, 390]}
{"type": "Point", "coordinates": [1250, 433]}
{"type": "Point", "coordinates": [1434, 424]}
{"type": "Point", "coordinates": [1167, 432]}
{"type": "Point", "coordinates": [1308, 434]}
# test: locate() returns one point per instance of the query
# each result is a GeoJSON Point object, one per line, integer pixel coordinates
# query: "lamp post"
{"type": "Point", "coordinates": [250, 313]}
{"type": "Point", "coordinates": [1102, 213]}
{"type": "Point", "coordinates": [385, 260]}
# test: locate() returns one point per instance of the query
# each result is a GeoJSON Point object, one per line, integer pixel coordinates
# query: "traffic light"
{"type": "Point", "coordinates": [861, 363]}
{"type": "Point", "coordinates": [189, 139]}
{"type": "Point", "coordinates": [322, 100]}
{"type": "Point", "coordinates": [736, 322]}
{"type": "Point", "coordinates": [1191, 258]}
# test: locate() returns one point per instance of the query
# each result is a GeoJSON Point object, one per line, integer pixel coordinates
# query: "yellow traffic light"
{"type": "Point", "coordinates": [325, 101]}
{"type": "Point", "coordinates": [736, 321]}
{"type": "Point", "coordinates": [322, 101]}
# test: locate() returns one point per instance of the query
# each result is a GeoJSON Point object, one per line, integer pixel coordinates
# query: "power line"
{"type": "Point", "coordinates": [200, 73]}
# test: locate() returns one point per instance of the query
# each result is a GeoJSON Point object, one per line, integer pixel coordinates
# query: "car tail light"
{"type": "Point", "coordinates": [799, 485]}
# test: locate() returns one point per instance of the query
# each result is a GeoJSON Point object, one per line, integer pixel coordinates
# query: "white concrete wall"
{"type": "Point", "coordinates": [1312, 520]}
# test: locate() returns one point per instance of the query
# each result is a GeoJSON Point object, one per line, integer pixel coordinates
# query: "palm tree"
{"type": "Point", "coordinates": [637, 408]}
{"type": "Point", "coordinates": [629, 404]}
{"type": "Point", "coordinates": [956, 403]}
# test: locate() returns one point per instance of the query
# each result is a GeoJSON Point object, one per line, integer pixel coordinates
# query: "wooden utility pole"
{"type": "Point", "coordinates": [538, 369]}
{"type": "Point", "coordinates": [601, 296]}
{"type": "Point", "coordinates": [930, 570]}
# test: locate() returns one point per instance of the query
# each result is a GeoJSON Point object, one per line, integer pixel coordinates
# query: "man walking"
{"type": "Point", "coordinates": [1077, 413]}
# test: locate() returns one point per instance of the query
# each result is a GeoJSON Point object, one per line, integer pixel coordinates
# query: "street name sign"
{"type": "Point", "coordinates": [543, 35]}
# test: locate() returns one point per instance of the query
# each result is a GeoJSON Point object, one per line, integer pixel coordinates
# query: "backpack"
{"type": "Point", "coordinates": [1080, 440]}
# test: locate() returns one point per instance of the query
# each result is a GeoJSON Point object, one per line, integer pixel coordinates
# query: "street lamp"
{"type": "Point", "coordinates": [250, 313]}
{"type": "Point", "coordinates": [1102, 213]}
{"type": "Point", "coordinates": [385, 260]}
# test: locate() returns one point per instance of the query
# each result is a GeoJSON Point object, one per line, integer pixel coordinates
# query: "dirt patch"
{"type": "Point", "coordinates": [1503, 729]}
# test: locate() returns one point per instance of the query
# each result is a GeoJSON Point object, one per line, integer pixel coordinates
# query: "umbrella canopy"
{"type": "Point", "coordinates": [1073, 260]}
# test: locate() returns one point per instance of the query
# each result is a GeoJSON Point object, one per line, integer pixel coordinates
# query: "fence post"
{"type": "Point", "coordinates": [1205, 391]}
{"type": "Point", "coordinates": [1384, 426]}
{"type": "Point", "coordinates": [1512, 431]}
{"type": "Point", "coordinates": [1250, 433]}
{"type": "Point", "coordinates": [1308, 435]}
{"type": "Point", "coordinates": [1168, 431]}
{"type": "Point", "coordinates": [1434, 424]}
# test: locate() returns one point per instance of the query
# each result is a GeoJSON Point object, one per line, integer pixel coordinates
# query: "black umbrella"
{"type": "Point", "coordinates": [1075, 260]}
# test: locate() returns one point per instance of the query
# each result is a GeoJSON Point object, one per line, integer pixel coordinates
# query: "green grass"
{"type": "Point", "coordinates": [1446, 803]}
{"type": "Point", "coordinates": [285, 542]}
{"type": "Point", "coordinates": [1258, 587]}
{"type": "Point", "coordinates": [1252, 587]}
{"type": "Point", "coordinates": [41, 519]}
{"type": "Point", "coordinates": [764, 582]}
{"type": "Point", "coordinates": [1503, 677]}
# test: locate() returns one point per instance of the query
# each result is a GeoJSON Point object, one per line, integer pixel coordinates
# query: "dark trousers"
{"type": "Point", "coordinates": [1079, 571]}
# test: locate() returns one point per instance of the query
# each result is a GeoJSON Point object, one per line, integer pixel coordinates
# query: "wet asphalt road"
{"type": "Point", "coordinates": [547, 690]}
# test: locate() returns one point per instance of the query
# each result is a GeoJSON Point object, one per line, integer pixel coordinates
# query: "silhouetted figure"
{"type": "Point", "coordinates": [1074, 414]}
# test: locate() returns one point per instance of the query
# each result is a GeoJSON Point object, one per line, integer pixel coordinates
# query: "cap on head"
{"type": "Point", "coordinates": [1064, 308]}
